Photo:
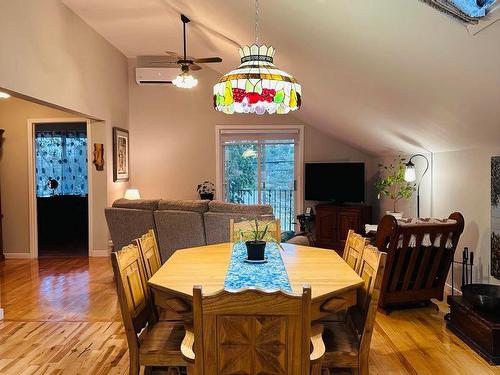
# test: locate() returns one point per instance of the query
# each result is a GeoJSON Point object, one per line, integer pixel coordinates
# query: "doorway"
{"type": "Point", "coordinates": [262, 166]}
{"type": "Point", "coordinates": [61, 188]}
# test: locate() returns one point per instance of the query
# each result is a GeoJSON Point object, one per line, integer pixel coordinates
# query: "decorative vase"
{"type": "Point", "coordinates": [256, 249]}
{"type": "Point", "coordinates": [397, 215]}
{"type": "Point", "coordinates": [209, 196]}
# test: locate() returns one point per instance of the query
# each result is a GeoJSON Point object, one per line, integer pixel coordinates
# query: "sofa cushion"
{"type": "Point", "coordinates": [125, 225]}
{"type": "Point", "coordinates": [139, 204]}
{"type": "Point", "coordinates": [217, 224]}
{"type": "Point", "coordinates": [178, 230]}
{"type": "Point", "coordinates": [241, 209]}
{"type": "Point", "coordinates": [184, 205]}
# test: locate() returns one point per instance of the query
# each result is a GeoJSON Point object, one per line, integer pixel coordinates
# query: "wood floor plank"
{"type": "Point", "coordinates": [62, 317]}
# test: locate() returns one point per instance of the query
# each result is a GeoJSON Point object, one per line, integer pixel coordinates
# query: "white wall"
{"type": "Point", "coordinates": [172, 137]}
{"type": "Point", "coordinates": [14, 115]}
{"type": "Point", "coordinates": [50, 54]}
{"type": "Point", "coordinates": [462, 182]}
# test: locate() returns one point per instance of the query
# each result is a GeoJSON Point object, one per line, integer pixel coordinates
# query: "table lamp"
{"type": "Point", "coordinates": [132, 194]}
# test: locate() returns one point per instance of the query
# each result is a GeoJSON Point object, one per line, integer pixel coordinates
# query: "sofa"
{"type": "Point", "coordinates": [180, 224]}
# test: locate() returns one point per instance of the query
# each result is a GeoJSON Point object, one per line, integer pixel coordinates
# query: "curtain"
{"type": "Point", "coordinates": [466, 11]}
{"type": "Point", "coordinates": [61, 156]}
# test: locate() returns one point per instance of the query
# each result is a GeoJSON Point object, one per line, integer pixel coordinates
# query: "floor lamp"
{"type": "Point", "coordinates": [411, 176]}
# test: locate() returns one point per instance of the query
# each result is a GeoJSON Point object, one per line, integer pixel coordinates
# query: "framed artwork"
{"type": "Point", "coordinates": [495, 217]}
{"type": "Point", "coordinates": [120, 154]}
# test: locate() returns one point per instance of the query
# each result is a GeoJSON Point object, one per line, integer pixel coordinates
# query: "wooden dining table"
{"type": "Point", "coordinates": [333, 283]}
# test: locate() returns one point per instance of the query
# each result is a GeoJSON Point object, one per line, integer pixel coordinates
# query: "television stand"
{"type": "Point", "coordinates": [333, 221]}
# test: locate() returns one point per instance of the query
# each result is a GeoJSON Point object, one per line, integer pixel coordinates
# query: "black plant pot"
{"type": "Point", "coordinates": [256, 250]}
{"type": "Point", "coordinates": [209, 196]}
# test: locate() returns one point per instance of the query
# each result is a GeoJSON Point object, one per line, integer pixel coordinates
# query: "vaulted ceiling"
{"type": "Point", "coordinates": [384, 76]}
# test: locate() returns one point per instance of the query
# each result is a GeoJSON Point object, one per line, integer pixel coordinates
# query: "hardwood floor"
{"type": "Point", "coordinates": [62, 317]}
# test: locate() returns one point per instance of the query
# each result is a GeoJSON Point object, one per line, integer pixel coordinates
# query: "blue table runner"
{"type": "Point", "coordinates": [270, 275]}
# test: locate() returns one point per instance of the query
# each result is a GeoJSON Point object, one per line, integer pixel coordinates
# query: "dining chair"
{"type": "Point", "coordinates": [236, 228]}
{"type": "Point", "coordinates": [253, 331]}
{"type": "Point", "coordinates": [353, 249]}
{"type": "Point", "coordinates": [150, 254]}
{"type": "Point", "coordinates": [150, 342]}
{"type": "Point", "coordinates": [348, 343]}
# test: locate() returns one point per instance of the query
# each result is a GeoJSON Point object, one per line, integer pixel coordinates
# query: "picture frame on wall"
{"type": "Point", "coordinates": [120, 155]}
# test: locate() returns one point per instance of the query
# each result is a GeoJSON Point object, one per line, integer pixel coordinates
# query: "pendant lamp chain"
{"type": "Point", "coordinates": [257, 22]}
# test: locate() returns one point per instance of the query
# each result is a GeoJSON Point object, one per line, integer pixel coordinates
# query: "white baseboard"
{"type": "Point", "coordinates": [17, 255]}
{"type": "Point", "coordinates": [1, 314]}
{"type": "Point", "coordinates": [99, 253]}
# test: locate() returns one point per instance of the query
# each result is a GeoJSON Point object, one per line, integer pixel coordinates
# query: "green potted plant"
{"type": "Point", "coordinates": [255, 234]}
{"type": "Point", "coordinates": [206, 190]}
{"type": "Point", "coordinates": [392, 184]}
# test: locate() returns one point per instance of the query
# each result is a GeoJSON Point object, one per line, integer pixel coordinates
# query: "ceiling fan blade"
{"type": "Point", "coordinates": [173, 54]}
{"type": "Point", "coordinates": [149, 61]}
{"type": "Point", "coordinates": [206, 60]}
{"type": "Point", "coordinates": [193, 66]}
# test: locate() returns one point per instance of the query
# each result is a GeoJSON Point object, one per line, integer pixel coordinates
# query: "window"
{"type": "Point", "coordinates": [261, 167]}
{"type": "Point", "coordinates": [61, 156]}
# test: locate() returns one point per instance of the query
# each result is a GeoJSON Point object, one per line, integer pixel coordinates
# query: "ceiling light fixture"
{"type": "Point", "coordinates": [4, 95]}
{"type": "Point", "coordinates": [257, 85]}
{"type": "Point", "coordinates": [185, 81]}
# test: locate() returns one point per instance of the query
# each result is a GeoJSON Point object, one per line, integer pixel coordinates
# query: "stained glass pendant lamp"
{"type": "Point", "coordinates": [257, 85]}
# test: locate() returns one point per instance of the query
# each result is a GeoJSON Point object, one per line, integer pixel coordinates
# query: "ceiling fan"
{"type": "Point", "coordinates": [186, 63]}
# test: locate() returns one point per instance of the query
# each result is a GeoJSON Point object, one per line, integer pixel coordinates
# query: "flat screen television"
{"type": "Point", "coordinates": [335, 182]}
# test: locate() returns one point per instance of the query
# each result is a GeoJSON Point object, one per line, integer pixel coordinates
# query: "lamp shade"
{"type": "Point", "coordinates": [185, 81]}
{"type": "Point", "coordinates": [410, 174]}
{"type": "Point", "coordinates": [257, 85]}
{"type": "Point", "coordinates": [132, 194]}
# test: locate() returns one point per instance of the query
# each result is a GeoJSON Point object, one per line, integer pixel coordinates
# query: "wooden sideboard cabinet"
{"type": "Point", "coordinates": [334, 221]}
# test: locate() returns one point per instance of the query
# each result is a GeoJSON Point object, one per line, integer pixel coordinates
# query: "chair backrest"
{"type": "Point", "coordinates": [239, 230]}
{"type": "Point", "coordinates": [252, 331]}
{"type": "Point", "coordinates": [353, 250]}
{"type": "Point", "coordinates": [372, 267]}
{"type": "Point", "coordinates": [419, 256]}
{"type": "Point", "coordinates": [150, 253]}
{"type": "Point", "coordinates": [135, 303]}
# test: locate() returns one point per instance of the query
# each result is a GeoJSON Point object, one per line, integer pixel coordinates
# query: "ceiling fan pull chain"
{"type": "Point", "coordinates": [257, 22]}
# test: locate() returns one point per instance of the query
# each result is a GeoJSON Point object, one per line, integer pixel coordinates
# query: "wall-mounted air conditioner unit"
{"type": "Point", "coordinates": [156, 76]}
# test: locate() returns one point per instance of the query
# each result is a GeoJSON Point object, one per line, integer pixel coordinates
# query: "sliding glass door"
{"type": "Point", "coordinates": [261, 169]}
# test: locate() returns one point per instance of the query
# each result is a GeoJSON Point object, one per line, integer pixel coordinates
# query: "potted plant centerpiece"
{"type": "Point", "coordinates": [256, 234]}
{"type": "Point", "coordinates": [392, 184]}
{"type": "Point", "coordinates": [206, 190]}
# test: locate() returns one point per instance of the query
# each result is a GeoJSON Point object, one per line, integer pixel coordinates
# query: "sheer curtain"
{"type": "Point", "coordinates": [61, 156]}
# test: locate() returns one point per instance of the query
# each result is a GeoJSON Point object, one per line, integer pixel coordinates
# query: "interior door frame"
{"type": "Point", "coordinates": [298, 130]}
{"type": "Point", "coordinates": [33, 222]}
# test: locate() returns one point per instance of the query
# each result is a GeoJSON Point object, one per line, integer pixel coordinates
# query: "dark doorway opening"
{"type": "Point", "coordinates": [62, 189]}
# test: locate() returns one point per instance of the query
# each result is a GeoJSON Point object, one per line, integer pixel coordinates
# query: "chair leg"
{"type": "Point", "coordinates": [134, 367]}
{"type": "Point", "coordinates": [316, 369]}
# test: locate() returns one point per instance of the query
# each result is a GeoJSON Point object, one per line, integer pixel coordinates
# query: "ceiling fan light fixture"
{"type": "Point", "coordinates": [185, 81]}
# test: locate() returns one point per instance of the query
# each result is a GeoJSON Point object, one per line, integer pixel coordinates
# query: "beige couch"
{"type": "Point", "coordinates": [180, 223]}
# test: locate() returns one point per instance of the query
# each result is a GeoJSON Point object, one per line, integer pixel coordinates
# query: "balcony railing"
{"type": "Point", "coordinates": [282, 201]}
